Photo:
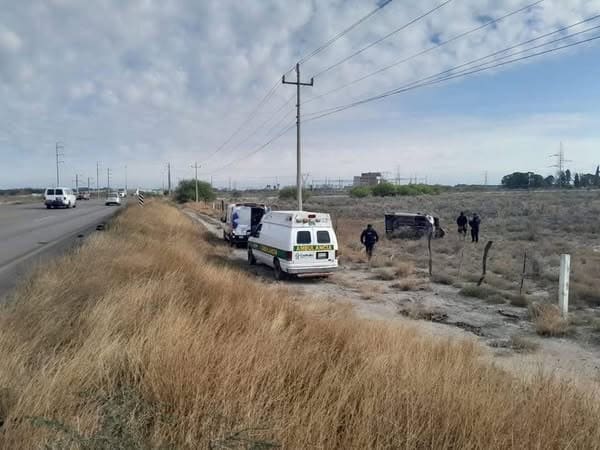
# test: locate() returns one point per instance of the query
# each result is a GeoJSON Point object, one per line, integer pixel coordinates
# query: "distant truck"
{"type": "Point", "coordinates": [412, 225]}
{"type": "Point", "coordinates": [240, 220]}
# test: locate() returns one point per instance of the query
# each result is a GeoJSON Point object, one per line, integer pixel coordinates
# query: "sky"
{"type": "Point", "coordinates": [130, 86]}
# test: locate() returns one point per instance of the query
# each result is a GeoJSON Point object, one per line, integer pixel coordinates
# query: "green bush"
{"type": "Point", "coordinates": [384, 189]}
{"type": "Point", "coordinates": [186, 191]}
{"type": "Point", "coordinates": [289, 193]}
{"type": "Point", "coordinates": [360, 191]}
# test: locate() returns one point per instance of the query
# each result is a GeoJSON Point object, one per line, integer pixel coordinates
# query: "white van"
{"type": "Point", "coordinates": [60, 197]}
{"type": "Point", "coordinates": [239, 221]}
{"type": "Point", "coordinates": [296, 243]}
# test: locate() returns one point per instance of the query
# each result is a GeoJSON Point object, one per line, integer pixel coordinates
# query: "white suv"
{"type": "Point", "coordinates": [60, 198]}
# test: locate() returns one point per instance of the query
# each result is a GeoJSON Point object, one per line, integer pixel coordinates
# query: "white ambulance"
{"type": "Point", "coordinates": [295, 243]}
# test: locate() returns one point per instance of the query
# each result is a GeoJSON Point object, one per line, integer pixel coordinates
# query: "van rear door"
{"type": "Point", "coordinates": [314, 247]}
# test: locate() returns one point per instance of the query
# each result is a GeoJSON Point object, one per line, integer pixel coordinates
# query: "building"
{"type": "Point", "coordinates": [368, 179]}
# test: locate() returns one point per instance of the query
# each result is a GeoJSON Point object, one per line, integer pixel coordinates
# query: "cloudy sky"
{"type": "Point", "coordinates": [141, 83]}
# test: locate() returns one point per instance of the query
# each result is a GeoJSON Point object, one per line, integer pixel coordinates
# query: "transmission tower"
{"type": "Point", "coordinates": [560, 164]}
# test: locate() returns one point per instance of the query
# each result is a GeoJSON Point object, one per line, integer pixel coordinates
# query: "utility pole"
{"type": "Point", "coordinates": [107, 180]}
{"type": "Point", "coordinates": [485, 178]}
{"type": "Point", "coordinates": [77, 183]}
{"type": "Point", "coordinates": [97, 179]}
{"type": "Point", "coordinates": [59, 146]}
{"type": "Point", "coordinates": [195, 166]}
{"type": "Point", "coordinates": [89, 184]}
{"type": "Point", "coordinates": [125, 179]}
{"type": "Point", "coordinates": [298, 83]}
{"type": "Point", "coordinates": [169, 177]}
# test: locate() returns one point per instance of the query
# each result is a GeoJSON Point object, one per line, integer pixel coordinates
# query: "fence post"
{"type": "Point", "coordinates": [563, 284]}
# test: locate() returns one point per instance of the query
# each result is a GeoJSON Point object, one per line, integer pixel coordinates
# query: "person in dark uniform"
{"type": "Point", "coordinates": [474, 224]}
{"type": "Point", "coordinates": [369, 238]}
{"type": "Point", "coordinates": [461, 221]}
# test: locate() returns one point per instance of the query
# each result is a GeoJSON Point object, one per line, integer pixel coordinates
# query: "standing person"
{"type": "Point", "coordinates": [461, 221]}
{"type": "Point", "coordinates": [369, 238]}
{"type": "Point", "coordinates": [474, 224]}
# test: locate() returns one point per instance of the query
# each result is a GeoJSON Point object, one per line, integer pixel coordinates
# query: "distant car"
{"type": "Point", "coordinates": [122, 193]}
{"type": "Point", "coordinates": [113, 199]}
{"type": "Point", "coordinates": [83, 196]}
{"type": "Point", "coordinates": [59, 197]}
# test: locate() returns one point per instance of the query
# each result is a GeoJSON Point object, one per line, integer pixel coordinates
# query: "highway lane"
{"type": "Point", "coordinates": [30, 234]}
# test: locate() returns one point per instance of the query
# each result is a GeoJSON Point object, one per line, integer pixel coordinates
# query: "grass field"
{"type": "Point", "coordinates": [162, 346]}
{"type": "Point", "coordinates": [541, 224]}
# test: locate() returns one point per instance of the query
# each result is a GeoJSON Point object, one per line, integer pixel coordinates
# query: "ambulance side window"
{"type": "Point", "coordinates": [303, 237]}
{"type": "Point", "coordinates": [323, 237]}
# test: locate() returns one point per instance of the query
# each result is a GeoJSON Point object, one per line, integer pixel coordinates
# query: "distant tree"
{"type": "Point", "coordinates": [186, 191]}
{"type": "Point", "coordinates": [577, 181]}
{"type": "Point", "coordinates": [516, 180]}
{"type": "Point", "coordinates": [597, 177]}
{"type": "Point", "coordinates": [586, 179]}
{"type": "Point", "coordinates": [384, 189]}
{"type": "Point", "coordinates": [360, 191]}
{"type": "Point", "coordinates": [290, 193]}
{"type": "Point", "coordinates": [568, 177]}
{"type": "Point", "coordinates": [549, 180]}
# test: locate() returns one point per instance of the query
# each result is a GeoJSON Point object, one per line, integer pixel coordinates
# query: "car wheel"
{"type": "Point", "coordinates": [74, 205]}
{"type": "Point", "coordinates": [279, 274]}
{"type": "Point", "coordinates": [251, 258]}
{"type": "Point", "coordinates": [68, 205]}
{"type": "Point", "coordinates": [48, 207]}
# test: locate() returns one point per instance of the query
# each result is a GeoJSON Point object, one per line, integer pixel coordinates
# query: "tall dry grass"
{"type": "Point", "coordinates": [159, 345]}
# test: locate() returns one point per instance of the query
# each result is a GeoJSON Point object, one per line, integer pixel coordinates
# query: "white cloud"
{"type": "Point", "coordinates": [9, 41]}
{"type": "Point", "coordinates": [158, 81]}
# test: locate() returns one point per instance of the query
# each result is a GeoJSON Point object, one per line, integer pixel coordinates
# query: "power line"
{"type": "Point", "coordinates": [257, 149]}
{"type": "Point", "coordinates": [251, 116]}
{"type": "Point", "coordinates": [342, 33]}
{"type": "Point", "coordinates": [427, 50]}
{"type": "Point", "coordinates": [383, 38]}
{"type": "Point", "coordinates": [417, 84]}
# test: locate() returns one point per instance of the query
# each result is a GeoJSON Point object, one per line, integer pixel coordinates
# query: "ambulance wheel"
{"type": "Point", "coordinates": [279, 274]}
{"type": "Point", "coordinates": [251, 258]}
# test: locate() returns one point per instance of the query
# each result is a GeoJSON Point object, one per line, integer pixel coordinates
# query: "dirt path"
{"type": "Point", "coordinates": [506, 332]}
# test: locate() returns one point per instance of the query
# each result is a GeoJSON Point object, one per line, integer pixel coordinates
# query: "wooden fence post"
{"type": "Point", "coordinates": [563, 284]}
{"type": "Point", "coordinates": [523, 273]}
{"type": "Point", "coordinates": [485, 255]}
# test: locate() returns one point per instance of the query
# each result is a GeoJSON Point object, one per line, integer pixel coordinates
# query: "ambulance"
{"type": "Point", "coordinates": [239, 221]}
{"type": "Point", "coordinates": [295, 243]}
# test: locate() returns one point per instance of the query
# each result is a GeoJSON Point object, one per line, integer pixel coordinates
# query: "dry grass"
{"type": "Point", "coordinates": [548, 320]}
{"type": "Point", "coordinates": [162, 347]}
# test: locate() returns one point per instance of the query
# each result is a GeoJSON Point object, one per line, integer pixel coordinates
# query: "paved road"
{"type": "Point", "coordinates": [30, 234]}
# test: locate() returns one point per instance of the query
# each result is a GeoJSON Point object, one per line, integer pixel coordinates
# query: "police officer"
{"type": "Point", "coordinates": [474, 224]}
{"type": "Point", "coordinates": [461, 221]}
{"type": "Point", "coordinates": [369, 238]}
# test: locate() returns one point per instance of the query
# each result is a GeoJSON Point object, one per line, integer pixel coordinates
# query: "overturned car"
{"type": "Point", "coordinates": [412, 225]}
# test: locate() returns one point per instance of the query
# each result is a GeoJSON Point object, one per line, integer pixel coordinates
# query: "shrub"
{"type": "Point", "coordinates": [385, 274]}
{"type": "Point", "coordinates": [186, 191]}
{"type": "Point", "coordinates": [289, 193]}
{"type": "Point", "coordinates": [384, 189]}
{"type": "Point", "coordinates": [360, 191]}
{"type": "Point", "coordinates": [481, 292]}
{"type": "Point", "coordinates": [548, 320]}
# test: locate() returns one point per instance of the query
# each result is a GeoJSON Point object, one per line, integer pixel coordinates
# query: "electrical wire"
{"type": "Point", "coordinates": [342, 33]}
{"type": "Point", "coordinates": [423, 52]}
{"type": "Point", "coordinates": [250, 117]}
{"type": "Point", "coordinates": [383, 38]}
{"type": "Point", "coordinates": [255, 150]}
{"type": "Point", "coordinates": [320, 114]}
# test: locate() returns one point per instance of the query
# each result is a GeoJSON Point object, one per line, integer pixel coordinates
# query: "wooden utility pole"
{"type": "Point", "coordinates": [195, 166]}
{"type": "Point", "coordinates": [298, 83]}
